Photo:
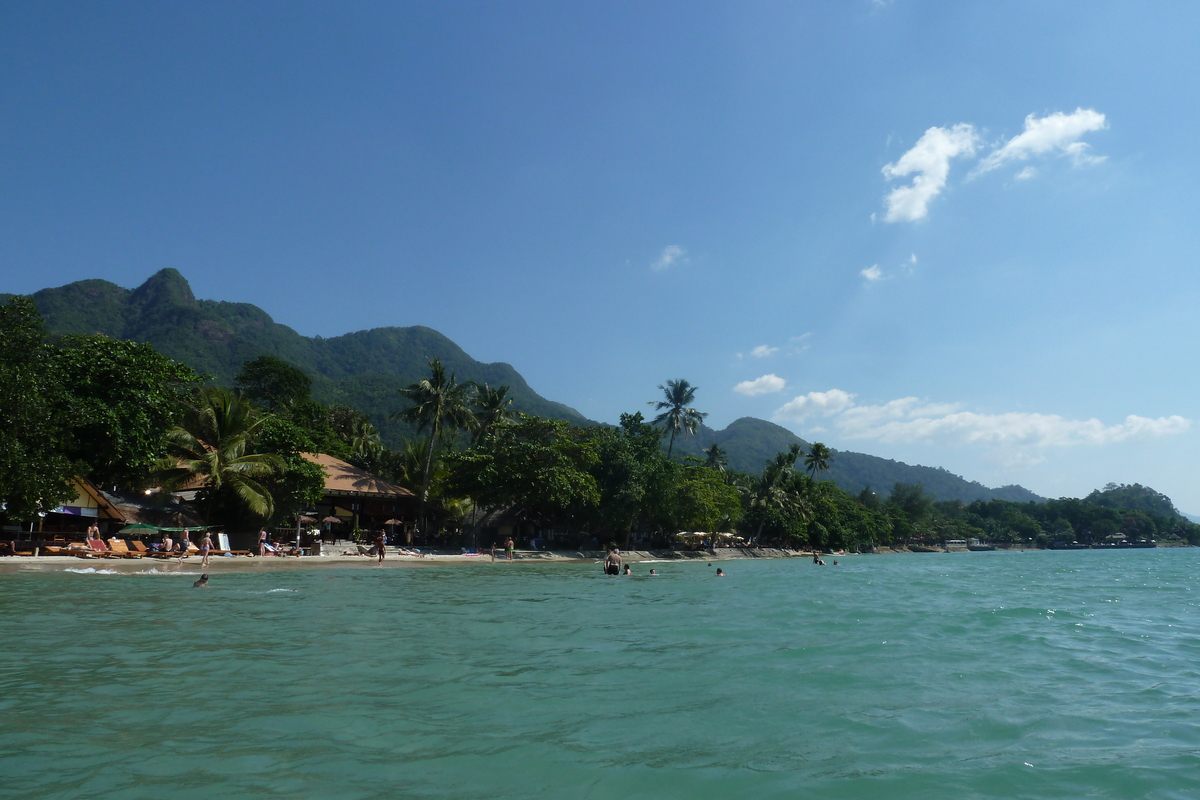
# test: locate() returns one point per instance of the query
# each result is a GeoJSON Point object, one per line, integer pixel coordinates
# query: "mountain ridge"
{"type": "Point", "coordinates": [365, 368]}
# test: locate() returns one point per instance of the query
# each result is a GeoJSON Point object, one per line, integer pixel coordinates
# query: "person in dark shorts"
{"type": "Point", "coordinates": [612, 562]}
{"type": "Point", "coordinates": [380, 546]}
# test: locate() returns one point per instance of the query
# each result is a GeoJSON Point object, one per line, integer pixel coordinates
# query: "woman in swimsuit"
{"type": "Point", "coordinates": [205, 546]}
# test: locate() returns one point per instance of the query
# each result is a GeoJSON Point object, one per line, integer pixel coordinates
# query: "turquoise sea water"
{"type": "Point", "coordinates": [1006, 675]}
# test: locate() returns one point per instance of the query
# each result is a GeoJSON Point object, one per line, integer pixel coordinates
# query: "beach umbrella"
{"type": "Point", "coordinates": [307, 520]}
{"type": "Point", "coordinates": [333, 520]}
{"type": "Point", "coordinates": [394, 522]}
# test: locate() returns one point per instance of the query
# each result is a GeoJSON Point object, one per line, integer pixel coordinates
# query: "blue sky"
{"type": "Point", "coordinates": [947, 233]}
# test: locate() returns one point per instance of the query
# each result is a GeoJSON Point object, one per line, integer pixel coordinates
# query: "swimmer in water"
{"type": "Point", "coordinates": [628, 571]}
{"type": "Point", "coordinates": [653, 571]}
{"type": "Point", "coordinates": [202, 583]}
{"type": "Point", "coordinates": [720, 574]}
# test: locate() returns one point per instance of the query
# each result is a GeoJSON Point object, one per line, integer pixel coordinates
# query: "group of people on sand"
{"type": "Point", "coordinates": [184, 545]}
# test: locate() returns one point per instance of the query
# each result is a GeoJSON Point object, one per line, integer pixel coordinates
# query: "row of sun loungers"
{"type": "Point", "coordinates": [119, 548]}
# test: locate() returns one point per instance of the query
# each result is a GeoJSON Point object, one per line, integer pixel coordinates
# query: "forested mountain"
{"type": "Point", "coordinates": [364, 369]}
{"type": "Point", "coordinates": [752, 442]}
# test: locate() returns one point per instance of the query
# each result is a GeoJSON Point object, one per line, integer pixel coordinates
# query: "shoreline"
{"type": "Point", "coordinates": [220, 564]}
{"type": "Point", "coordinates": [12, 565]}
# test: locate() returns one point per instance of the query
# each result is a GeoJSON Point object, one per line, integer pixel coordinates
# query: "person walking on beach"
{"type": "Point", "coordinates": [380, 546]}
{"type": "Point", "coordinates": [612, 562]}
{"type": "Point", "coordinates": [185, 540]}
{"type": "Point", "coordinates": [509, 544]}
{"type": "Point", "coordinates": [493, 552]}
{"type": "Point", "coordinates": [205, 546]}
{"type": "Point", "coordinates": [262, 542]}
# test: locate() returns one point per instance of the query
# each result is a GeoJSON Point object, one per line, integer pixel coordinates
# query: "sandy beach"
{"type": "Point", "coordinates": [221, 564]}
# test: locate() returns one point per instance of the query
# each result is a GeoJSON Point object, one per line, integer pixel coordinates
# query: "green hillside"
{"type": "Point", "coordinates": [752, 442]}
{"type": "Point", "coordinates": [364, 369]}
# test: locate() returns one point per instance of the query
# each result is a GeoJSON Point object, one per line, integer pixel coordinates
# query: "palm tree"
{"type": "Point", "coordinates": [718, 459]}
{"type": "Point", "coordinates": [214, 442]}
{"type": "Point", "coordinates": [775, 489]}
{"type": "Point", "coordinates": [492, 407]}
{"type": "Point", "coordinates": [818, 459]}
{"type": "Point", "coordinates": [437, 402]}
{"type": "Point", "coordinates": [677, 416]}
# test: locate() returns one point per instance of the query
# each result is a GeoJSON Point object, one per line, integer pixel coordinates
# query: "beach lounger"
{"type": "Point", "coordinates": [119, 547]}
{"type": "Point", "coordinates": [97, 547]}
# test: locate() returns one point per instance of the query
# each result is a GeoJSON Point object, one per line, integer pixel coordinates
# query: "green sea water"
{"type": "Point", "coordinates": [975, 675]}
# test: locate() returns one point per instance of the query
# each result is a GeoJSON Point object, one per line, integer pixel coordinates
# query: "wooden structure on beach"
{"type": "Point", "coordinates": [360, 499]}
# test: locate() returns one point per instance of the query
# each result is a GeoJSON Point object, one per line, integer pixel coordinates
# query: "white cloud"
{"type": "Point", "coordinates": [910, 420]}
{"type": "Point", "coordinates": [1027, 173]}
{"type": "Point", "coordinates": [929, 159]}
{"type": "Point", "coordinates": [762, 351]}
{"type": "Point", "coordinates": [767, 384]}
{"type": "Point", "coordinates": [813, 404]}
{"type": "Point", "coordinates": [872, 273]}
{"type": "Point", "coordinates": [1057, 132]}
{"type": "Point", "coordinates": [671, 255]}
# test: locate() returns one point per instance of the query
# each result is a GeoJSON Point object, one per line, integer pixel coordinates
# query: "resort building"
{"type": "Point", "coordinates": [359, 500]}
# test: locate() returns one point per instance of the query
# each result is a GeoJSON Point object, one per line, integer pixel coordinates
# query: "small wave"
{"type": "Point", "coordinates": [273, 591]}
{"type": "Point", "coordinates": [157, 571]}
{"type": "Point", "coordinates": [92, 571]}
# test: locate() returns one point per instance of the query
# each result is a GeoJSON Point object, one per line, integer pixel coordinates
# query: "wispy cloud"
{"type": "Point", "coordinates": [814, 404]}
{"type": "Point", "coordinates": [762, 351]}
{"type": "Point", "coordinates": [767, 384]}
{"type": "Point", "coordinates": [1055, 133]}
{"type": "Point", "coordinates": [929, 160]}
{"type": "Point", "coordinates": [671, 255]}
{"type": "Point", "coordinates": [911, 420]}
{"type": "Point", "coordinates": [872, 273]}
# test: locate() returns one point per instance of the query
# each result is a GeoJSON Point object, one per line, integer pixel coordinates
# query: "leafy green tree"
{"type": "Point", "coordinates": [628, 466]}
{"type": "Point", "coordinates": [298, 482]}
{"type": "Point", "coordinates": [35, 471]}
{"type": "Point", "coordinates": [437, 402]}
{"type": "Point", "coordinates": [818, 459]}
{"type": "Point", "coordinates": [539, 467]}
{"type": "Point", "coordinates": [123, 397]}
{"type": "Point", "coordinates": [273, 383]}
{"type": "Point", "coordinates": [214, 444]}
{"type": "Point", "coordinates": [703, 501]}
{"type": "Point", "coordinates": [677, 415]}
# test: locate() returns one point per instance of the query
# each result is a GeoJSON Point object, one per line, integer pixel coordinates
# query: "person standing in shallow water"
{"type": "Point", "coordinates": [262, 542]}
{"type": "Point", "coordinates": [612, 562]}
{"type": "Point", "coordinates": [509, 545]}
{"type": "Point", "coordinates": [380, 546]}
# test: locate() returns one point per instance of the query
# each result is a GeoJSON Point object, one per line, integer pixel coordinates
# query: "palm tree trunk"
{"type": "Point", "coordinates": [671, 445]}
{"type": "Point", "coordinates": [428, 468]}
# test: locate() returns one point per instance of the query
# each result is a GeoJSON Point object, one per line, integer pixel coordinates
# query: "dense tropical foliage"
{"type": "Point", "coordinates": [120, 413]}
